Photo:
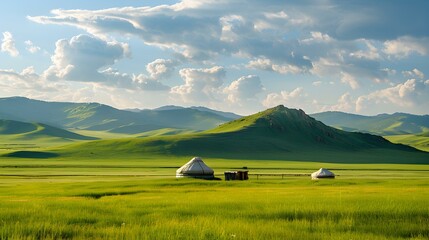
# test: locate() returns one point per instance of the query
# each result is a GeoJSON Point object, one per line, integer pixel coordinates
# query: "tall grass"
{"type": "Point", "coordinates": [294, 208]}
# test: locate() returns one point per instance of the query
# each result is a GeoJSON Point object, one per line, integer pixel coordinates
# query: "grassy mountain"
{"type": "Point", "coordinates": [383, 124]}
{"type": "Point", "coordinates": [418, 141]}
{"type": "Point", "coordinates": [277, 133]}
{"type": "Point", "coordinates": [29, 131]}
{"type": "Point", "coordinates": [95, 116]}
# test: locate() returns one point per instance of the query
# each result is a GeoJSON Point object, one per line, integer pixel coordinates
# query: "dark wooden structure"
{"type": "Point", "coordinates": [236, 175]}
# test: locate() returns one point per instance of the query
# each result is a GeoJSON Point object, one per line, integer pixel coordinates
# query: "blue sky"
{"type": "Point", "coordinates": [366, 57]}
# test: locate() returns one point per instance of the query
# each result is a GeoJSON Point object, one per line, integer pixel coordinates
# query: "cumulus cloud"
{"type": "Point", "coordinates": [244, 89]}
{"type": "Point", "coordinates": [266, 64]}
{"type": "Point", "coordinates": [26, 81]}
{"type": "Point", "coordinates": [413, 73]}
{"type": "Point", "coordinates": [345, 103]}
{"type": "Point", "coordinates": [8, 44]}
{"type": "Point", "coordinates": [82, 58]}
{"type": "Point", "coordinates": [161, 68]}
{"type": "Point", "coordinates": [29, 45]}
{"type": "Point", "coordinates": [407, 95]}
{"type": "Point", "coordinates": [404, 46]}
{"type": "Point", "coordinates": [201, 84]}
{"type": "Point", "coordinates": [157, 71]}
{"type": "Point", "coordinates": [294, 99]}
{"type": "Point", "coordinates": [197, 31]}
{"type": "Point", "coordinates": [266, 32]}
{"type": "Point", "coordinates": [89, 59]}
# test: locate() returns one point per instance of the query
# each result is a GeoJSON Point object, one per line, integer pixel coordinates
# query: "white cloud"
{"type": "Point", "coordinates": [264, 32]}
{"type": "Point", "coordinates": [83, 59]}
{"type": "Point", "coordinates": [404, 46]}
{"type": "Point", "coordinates": [268, 65]}
{"type": "Point", "coordinates": [158, 70]}
{"type": "Point", "coordinates": [317, 37]}
{"type": "Point", "coordinates": [317, 83]}
{"type": "Point", "coordinates": [31, 47]}
{"type": "Point", "coordinates": [350, 80]}
{"type": "Point", "coordinates": [149, 84]}
{"type": "Point", "coordinates": [413, 73]}
{"type": "Point", "coordinates": [244, 89]}
{"type": "Point", "coordinates": [26, 81]}
{"type": "Point", "coordinates": [345, 104]}
{"type": "Point", "coordinates": [371, 52]}
{"type": "Point", "coordinates": [8, 44]}
{"type": "Point", "coordinates": [294, 99]}
{"type": "Point", "coordinates": [193, 30]}
{"type": "Point", "coordinates": [404, 96]}
{"type": "Point", "coordinates": [161, 68]}
{"type": "Point", "coordinates": [201, 85]}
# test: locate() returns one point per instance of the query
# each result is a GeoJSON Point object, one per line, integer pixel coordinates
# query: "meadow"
{"type": "Point", "coordinates": [139, 198]}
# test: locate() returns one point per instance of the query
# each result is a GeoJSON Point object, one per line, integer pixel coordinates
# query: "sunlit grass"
{"type": "Point", "coordinates": [418, 141]}
{"type": "Point", "coordinates": [141, 208]}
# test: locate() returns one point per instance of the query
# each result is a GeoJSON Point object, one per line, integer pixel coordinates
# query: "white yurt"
{"type": "Point", "coordinates": [322, 173]}
{"type": "Point", "coordinates": [195, 168]}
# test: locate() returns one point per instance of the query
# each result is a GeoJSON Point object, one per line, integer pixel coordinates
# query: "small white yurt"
{"type": "Point", "coordinates": [195, 168]}
{"type": "Point", "coordinates": [322, 173]}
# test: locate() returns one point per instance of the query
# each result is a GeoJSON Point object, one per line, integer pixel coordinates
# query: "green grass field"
{"type": "Point", "coordinates": [418, 141]}
{"type": "Point", "coordinates": [139, 198]}
{"type": "Point", "coordinates": [126, 189]}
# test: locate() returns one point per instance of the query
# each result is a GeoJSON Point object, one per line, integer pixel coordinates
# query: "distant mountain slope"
{"type": "Point", "coordinates": [27, 131]}
{"type": "Point", "coordinates": [383, 124]}
{"type": "Point", "coordinates": [418, 141]}
{"type": "Point", "coordinates": [168, 107]}
{"type": "Point", "coordinates": [277, 133]}
{"type": "Point", "coordinates": [229, 115]}
{"type": "Point", "coordinates": [95, 116]}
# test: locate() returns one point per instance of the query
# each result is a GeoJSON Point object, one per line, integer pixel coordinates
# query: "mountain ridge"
{"type": "Point", "coordinates": [100, 117]}
{"type": "Point", "coordinates": [278, 133]}
{"type": "Point", "coordinates": [381, 124]}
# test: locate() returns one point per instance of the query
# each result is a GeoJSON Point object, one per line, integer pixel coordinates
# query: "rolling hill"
{"type": "Point", "coordinates": [277, 133]}
{"type": "Point", "coordinates": [16, 130]}
{"type": "Point", "coordinates": [99, 117]}
{"type": "Point", "coordinates": [382, 124]}
{"type": "Point", "coordinates": [417, 141]}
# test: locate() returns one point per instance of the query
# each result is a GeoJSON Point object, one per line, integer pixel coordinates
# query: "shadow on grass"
{"type": "Point", "coordinates": [107, 194]}
{"type": "Point", "coordinates": [31, 154]}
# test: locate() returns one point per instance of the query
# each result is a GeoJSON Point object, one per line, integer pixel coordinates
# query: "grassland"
{"type": "Point", "coordinates": [418, 141]}
{"type": "Point", "coordinates": [139, 198]}
{"type": "Point", "coordinates": [126, 188]}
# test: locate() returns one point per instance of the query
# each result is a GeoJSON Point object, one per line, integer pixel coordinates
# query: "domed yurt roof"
{"type": "Point", "coordinates": [195, 168]}
{"type": "Point", "coordinates": [322, 173]}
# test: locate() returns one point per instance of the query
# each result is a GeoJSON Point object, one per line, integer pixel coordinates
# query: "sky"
{"type": "Point", "coordinates": [358, 56]}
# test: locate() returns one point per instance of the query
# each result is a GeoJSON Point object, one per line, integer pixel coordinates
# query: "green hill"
{"type": "Point", "coordinates": [99, 117]}
{"type": "Point", "coordinates": [277, 133]}
{"type": "Point", "coordinates": [16, 130]}
{"type": "Point", "coordinates": [383, 124]}
{"type": "Point", "coordinates": [418, 141]}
